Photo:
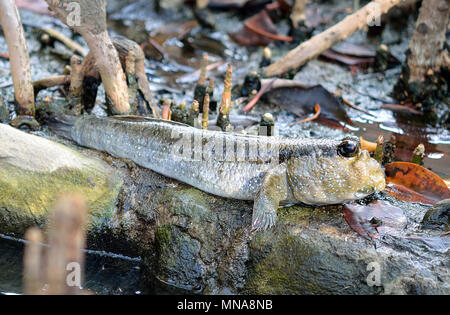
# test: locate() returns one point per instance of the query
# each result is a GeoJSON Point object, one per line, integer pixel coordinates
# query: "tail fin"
{"type": "Point", "coordinates": [62, 125]}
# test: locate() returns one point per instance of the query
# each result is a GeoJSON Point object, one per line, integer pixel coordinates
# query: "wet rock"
{"type": "Point", "coordinates": [193, 242]}
{"type": "Point", "coordinates": [438, 216]}
{"type": "Point", "coordinates": [35, 171]}
{"type": "Point", "coordinates": [314, 253]}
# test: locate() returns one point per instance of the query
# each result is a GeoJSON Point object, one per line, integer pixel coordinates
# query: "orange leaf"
{"type": "Point", "coordinates": [414, 183]}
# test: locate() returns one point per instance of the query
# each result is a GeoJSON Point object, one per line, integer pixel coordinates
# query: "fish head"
{"type": "Point", "coordinates": [334, 173]}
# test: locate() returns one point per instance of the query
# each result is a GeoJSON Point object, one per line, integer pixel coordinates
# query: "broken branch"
{"type": "Point", "coordinates": [72, 45]}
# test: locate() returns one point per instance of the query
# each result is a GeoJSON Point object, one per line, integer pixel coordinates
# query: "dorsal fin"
{"type": "Point", "coordinates": [133, 118]}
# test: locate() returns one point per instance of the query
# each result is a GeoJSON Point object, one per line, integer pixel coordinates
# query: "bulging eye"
{"type": "Point", "coordinates": [348, 148]}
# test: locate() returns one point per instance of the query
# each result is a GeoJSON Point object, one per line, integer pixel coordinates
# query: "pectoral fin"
{"type": "Point", "coordinates": [274, 189]}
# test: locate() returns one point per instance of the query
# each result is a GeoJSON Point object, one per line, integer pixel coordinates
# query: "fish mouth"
{"type": "Point", "coordinates": [369, 190]}
{"type": "Point", "coordinates": [364, 193]}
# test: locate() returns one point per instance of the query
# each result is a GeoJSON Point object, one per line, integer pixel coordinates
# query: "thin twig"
{"type": "Point", "coordinates": [72, 45]}
{"type": "Point", "coordinates": [357, 107]}
{"type": "Point", "coordinates": [191, 77]}
{"type": "Point", "coordinates": [317, 109]}
{"type": "Point", "coordinates": [403, 108]}
{"type": "Point", "coordinates": [261, 92]}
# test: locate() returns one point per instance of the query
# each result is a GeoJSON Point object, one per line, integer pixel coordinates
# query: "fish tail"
{"type": "Point", "coordinates": [62, 125]}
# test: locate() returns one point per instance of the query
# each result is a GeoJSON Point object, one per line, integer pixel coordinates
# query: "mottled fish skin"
{"type": "Point", "coordinates": [151, 144]}
{"type": "Point", "coordinates": [271, 175]}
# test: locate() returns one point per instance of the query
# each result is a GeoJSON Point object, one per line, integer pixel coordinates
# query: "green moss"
{"type": "Point", "coordinates": [189, 202]}
{"type": "Point", "coordinates": [280, 271]}
{"type": "Point", "coordinates": [306, 215]}
{"type": "Point", "coordinates": [27, 196]}
{"type": "Point", "coordinates": [163, 235]}
{"type": "Point", "coordinates": [296, 214]}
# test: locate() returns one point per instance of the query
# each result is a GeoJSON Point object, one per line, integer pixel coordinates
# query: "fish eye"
{"type": "Point", "coordinates": [347, 148]}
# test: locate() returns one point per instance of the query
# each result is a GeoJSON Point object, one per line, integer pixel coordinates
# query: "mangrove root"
{"type": "Point", "coordinates": [91, 24]}
{"type": "Point", "coordinates": [19, 59]}
{"type": "Point", "coordinates": [422, 81]}
{"type": "Point", "coordinates": [132, 59]}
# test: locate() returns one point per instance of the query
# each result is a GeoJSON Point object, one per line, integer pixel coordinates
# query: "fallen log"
{"type": "Point", "coordinates": [325, 40]}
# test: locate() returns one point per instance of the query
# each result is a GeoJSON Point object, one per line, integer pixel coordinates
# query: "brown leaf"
{"type": "Point", "coordinates": [377, 218]}
{"type": "Point", "coordinates": [351, 49]}
{"type": "Point", "coordinates": [347, 59]}
{"type": "Point", "coordinates": [173, 30]}
{"type": "Point", "coordinates": [402, 108]}
{"type": "Point", "coordinates": [227, 4]}
{"type": "Point", "coordinates": [246, 37]}
{"type": "Point", "coordinates": [414, 183]}
{"type": "Point", "coordinates": [301, 102]}
{"type": "Point", "coordinates": [258, 30]}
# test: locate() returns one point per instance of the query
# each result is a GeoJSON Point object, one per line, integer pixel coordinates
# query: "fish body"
{"type": "Point", "coordinates": [269, 170]}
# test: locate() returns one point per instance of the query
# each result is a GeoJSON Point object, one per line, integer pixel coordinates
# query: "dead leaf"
{"type": "Point", "coordinates": [245, 37]}
{"type": "Point", "coordinates": [173, 30]}
{"type": "Point", "coordinates": [301, 102]}
{"type": "Point", "coordinates": [247, 5]}
{"type": "Point", "coordinates": [377, 218]}
{"type": "Point", "coordinates": [206, 44]}
{"type": "Point", "coordinates": [350, 49]}
{"type": "Point", "coordinates": [347, 59]}
{"type": "Point", "coordinates": [258, 30]}
{"type": "Point", "coordinates": [402, 108]}
{"type": "Point", "coordinates": [262, 24]}
{"type": "Point", "coordinates": [414, 183]}
{"type": "Point", "coordinates": [355, 56]}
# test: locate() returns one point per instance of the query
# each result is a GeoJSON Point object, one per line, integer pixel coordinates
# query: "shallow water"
{"type": "Point", "coordinates": [105, 273]}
